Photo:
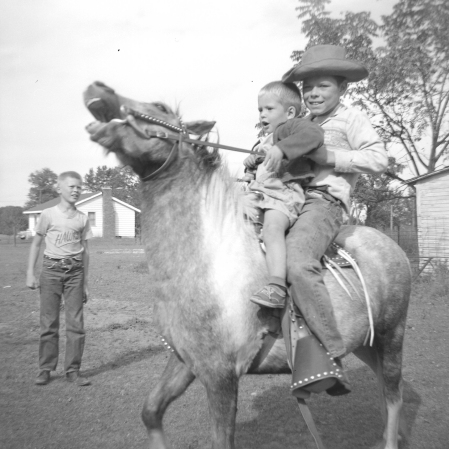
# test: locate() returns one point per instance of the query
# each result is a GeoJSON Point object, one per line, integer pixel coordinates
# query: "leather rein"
{"type": "Point", "coordinates": [182, 136]}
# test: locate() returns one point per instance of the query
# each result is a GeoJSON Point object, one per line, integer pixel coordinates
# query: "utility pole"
{"type": "Point", "coordinates": [40, 194]}
{"type": "Point", "coordinates": [391, 219]}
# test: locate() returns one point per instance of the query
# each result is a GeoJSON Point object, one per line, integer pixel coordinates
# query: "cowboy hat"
{"type": "Point", "coordinates": [322, 60]}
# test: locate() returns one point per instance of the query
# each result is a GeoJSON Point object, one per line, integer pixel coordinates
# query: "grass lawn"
{"type": "Point", "coordinates": [124, 358]}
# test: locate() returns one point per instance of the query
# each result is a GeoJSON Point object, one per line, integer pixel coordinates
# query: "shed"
{"type": "Point", "coordinates": [432, 211]}
{"type": "Point", "coordinates": [108, 216]}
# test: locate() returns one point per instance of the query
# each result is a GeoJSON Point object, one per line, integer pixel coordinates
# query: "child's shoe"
{"type": "Point", "coordinates": [270, 296]}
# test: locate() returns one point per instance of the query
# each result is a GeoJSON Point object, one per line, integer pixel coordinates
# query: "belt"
{"type": "Point", "coordinates": [62, 259]}
{"type": "Point", "coordinates": [322, 191]}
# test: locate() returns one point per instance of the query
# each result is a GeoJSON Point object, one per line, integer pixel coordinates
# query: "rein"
{"type": "Point", "coordinates": [181, 137]}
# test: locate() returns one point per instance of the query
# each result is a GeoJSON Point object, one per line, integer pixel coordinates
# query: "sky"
{"type": "Point", "coordinates": [208, 57]}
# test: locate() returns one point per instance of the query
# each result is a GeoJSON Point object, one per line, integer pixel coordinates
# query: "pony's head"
{"type": "Point", "coordinates": [137, 132]}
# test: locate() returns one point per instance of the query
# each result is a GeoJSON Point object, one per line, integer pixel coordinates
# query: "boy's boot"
{"type": "Point", "coordinates": [43, 378]}
{"type": "Point", "coordinates": [74, 377]}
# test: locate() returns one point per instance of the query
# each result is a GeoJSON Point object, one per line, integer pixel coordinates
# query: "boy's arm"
{"type": "Point", "coordinates": [322, 156]}
{"type": "Point", "coordinates": [31, 280]}
{"type": "Point", "coordinates": [369, 155]}
{"type": "Point", "coordinates": [273, 159]}
{"type": "Point", "coordinates": [85, 255]}
{"type": "Point", "coordinates": [298, 137]}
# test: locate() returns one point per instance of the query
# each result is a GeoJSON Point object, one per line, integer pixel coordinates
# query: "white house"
{"type": "Point", "coordinates": [108, 216]}
{"type": "Point", "coordinates": [432, 210]}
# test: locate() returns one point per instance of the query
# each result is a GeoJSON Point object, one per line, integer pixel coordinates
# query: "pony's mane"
{"type": "Point", "coordinates": [208, 160]}
{"type": "Point", "coordinates": [226, 199]}
{"type": "Point", "coordinates": [224, 196]}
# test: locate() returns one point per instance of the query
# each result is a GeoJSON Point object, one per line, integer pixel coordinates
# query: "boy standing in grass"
{"type": "Point", "coordinates": [64, 272]}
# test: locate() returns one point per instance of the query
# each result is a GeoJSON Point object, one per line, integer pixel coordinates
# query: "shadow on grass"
{"type": "Point", "coordinates": [126, 359]}
{"type": "Point", "coordinates": [343, 422]}
{"type": "Point", "coordinates": [133, 323]}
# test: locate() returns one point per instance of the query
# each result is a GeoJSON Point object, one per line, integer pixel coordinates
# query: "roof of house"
{"type": "Point", "coordinates": [427, 175]}
{"type": "Point", "coordinates": [82, 199]}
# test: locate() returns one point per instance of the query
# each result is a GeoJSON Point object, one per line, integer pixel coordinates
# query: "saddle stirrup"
{"type": "Point", "coordinates": [310, 423]}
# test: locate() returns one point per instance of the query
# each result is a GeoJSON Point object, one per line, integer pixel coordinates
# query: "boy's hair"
{"type": "Point", "coordinates": [69, 174]}
{"type": "Point", "coordinates": [288, 94]}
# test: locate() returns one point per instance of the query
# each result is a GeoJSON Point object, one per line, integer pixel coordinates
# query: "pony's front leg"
{"type": "Point", "coordinates": [174, 381]}
{"type": "Point", "coordinates": [222, 397]}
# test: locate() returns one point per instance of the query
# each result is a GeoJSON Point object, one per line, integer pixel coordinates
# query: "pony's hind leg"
{"type": "Point", "coordinates": [222, 392]}
{"type": "Point", "coordinates": [390, 355]}
{"type": "Point", "coordinates": [174, 381]}
{"type": "Point", "coordinates": [368, 355]}
{"type": "Point", "coordinates": [385, 359]}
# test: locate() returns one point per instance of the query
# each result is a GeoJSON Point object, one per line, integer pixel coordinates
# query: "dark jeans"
{"type": "Point", "coordinates": [317, 225]}
{"type": "Point", "coordinates": [65, 277]}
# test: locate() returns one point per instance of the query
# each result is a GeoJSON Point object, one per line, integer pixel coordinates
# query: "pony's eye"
{"type": "Point", "coordinates": [161, 107]}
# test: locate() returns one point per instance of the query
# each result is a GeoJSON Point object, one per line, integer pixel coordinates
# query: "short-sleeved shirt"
{"type": "Point", "coordinates": [63, 235]}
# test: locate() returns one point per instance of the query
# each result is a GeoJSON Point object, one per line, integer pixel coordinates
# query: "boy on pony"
{"type": "Point", "coordinates": [351, 146]}
{"type": "Point", "coordinates": [278, 177]}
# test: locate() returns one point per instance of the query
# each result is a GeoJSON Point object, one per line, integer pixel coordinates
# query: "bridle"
{"type": "Point", "coordinates": [182, 136]}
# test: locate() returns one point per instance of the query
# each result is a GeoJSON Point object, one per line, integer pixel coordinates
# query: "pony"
{"type": "Point", "coordinates": [206, 260]}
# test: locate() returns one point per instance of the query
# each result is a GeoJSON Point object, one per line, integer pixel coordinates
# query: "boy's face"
{"type": "Point", "coordinates": [69, 189]}
{"type": "Point", "coordinates": [322, 94]}
{"type": "Point", "coordinates": [272, 112]}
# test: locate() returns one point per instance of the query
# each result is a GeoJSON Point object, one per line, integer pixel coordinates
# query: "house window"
{"type": "Point", "coordinates": [91, 216]}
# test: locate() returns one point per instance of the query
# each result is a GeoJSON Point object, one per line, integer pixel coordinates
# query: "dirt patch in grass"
{"type": "Point", "coordinates": [124, 358]}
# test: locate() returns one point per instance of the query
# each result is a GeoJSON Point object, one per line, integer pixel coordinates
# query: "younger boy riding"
{"type": "Point", "coordinates": [351, 146]}
{"type": "Point", "coordinates": [64, 272]}
{"type": "Point", "coordinates": [279, 171]}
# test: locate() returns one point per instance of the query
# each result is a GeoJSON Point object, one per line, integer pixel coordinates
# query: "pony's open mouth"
{"type": "Point", "coordinates": [99, 110]}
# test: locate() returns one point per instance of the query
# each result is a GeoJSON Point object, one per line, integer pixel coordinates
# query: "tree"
{"type": "Point", "coordinates": [406, 95]}
{"type": "Point", "coordinates": [12, 221]}
{"type": "Point", "coordinates": [407, 92]}
{"type": "Point", "coordinates": [412, 97]}
{"type": "Point", "coordinates": [123, 181]}
{"type": "Point", "coordinates": [377, 195]}
{"type": "Point", "coordinates": [42, 187]}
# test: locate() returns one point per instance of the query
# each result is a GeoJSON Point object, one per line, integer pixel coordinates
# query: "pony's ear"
{"type": "Point", "coordinates": [199, 127]}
